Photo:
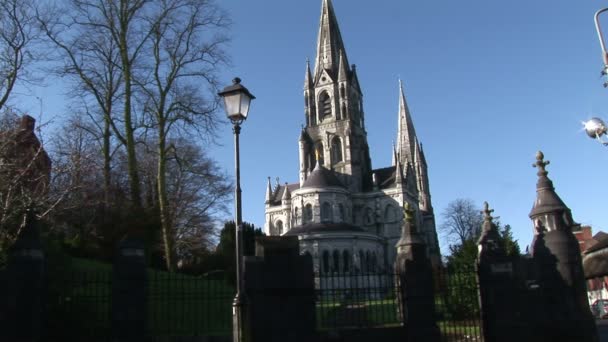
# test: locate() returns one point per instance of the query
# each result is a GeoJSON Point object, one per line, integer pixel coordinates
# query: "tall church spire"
{"type": "Point", "coordinates": [329, 43]}
{"type": "Point", "coordinates": [406, 135]}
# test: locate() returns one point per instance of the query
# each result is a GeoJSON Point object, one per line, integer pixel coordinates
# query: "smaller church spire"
{"type": "Point", "coordinates": [343, 69]}
{"type": "Point", "coordinates": [286, 194]}
{"type": "Point", "coordinates": [268, 192]}
{"type": "Point", "coordinates": [398, 174]}
{"type": "Point", "coordinates": [308, 77]}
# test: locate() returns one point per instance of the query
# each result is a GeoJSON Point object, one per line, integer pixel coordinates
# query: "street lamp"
{"type": "Point", "coordinates": [602, 43]}
{"type": "Point", "coordinates": [236, 102]}
{"type": "Point", "coordinates": [596, 128]}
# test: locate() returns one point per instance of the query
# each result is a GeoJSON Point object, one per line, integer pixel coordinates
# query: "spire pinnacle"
{"type": "Point", "coordinates": [268, 192]}
{"type": "Point", "coordinates": [342, 69]}
{"type": "Point", "coordinates": [308, 76]}
{"type": "Point", "coordinates": [286, 193]}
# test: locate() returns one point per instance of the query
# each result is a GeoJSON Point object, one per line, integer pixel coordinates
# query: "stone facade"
{"type": "Point", "coordinates": [346, 214]}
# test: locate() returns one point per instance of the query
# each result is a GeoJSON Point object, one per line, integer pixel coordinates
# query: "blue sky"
{"type": "Point", "coordinates": [488, 84]}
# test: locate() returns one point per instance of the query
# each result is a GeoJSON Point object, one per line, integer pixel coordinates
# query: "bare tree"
{"type": "Point", "coordinates": [462, 220]}
{"type": "Point", "coordinates": [199, 193]}
{"type": "Point", "coordinates": [91, 60]}
{"type": "Point", "coordinates": [102, 41]}
{"type": "Point", "coordinates": [19, 35]}
{"type": "Point", "coordinates": [187, 48]}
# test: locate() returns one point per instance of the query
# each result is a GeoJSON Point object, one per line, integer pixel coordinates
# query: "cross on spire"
{"type": "Point", "coordinates": [541, 164]}
{"type": "Point", "coordinates": [487, 212]}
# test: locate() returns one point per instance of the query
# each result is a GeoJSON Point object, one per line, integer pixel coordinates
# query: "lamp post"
{"type": "Point", "coordinates": [602, 43]}
{"type": "Point", "coordinates": [596, 127]}
{"type": "Point", "coordinates": [236, 102]}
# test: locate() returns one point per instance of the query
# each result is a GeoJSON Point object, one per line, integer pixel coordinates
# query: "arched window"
{"type": "Point", "coordinates": [346, 260]}
{"type": "Point", "coordinates": [296, 216]}
{"type": "Point", "coordinates": [374, 262]}
{"type": "Point", "coordinates": [307, 214]}
{"type": "Point", "coordinates": [279, 226]}
{"type": "Point", "coordinates": [336, 150]}
{"type": "Point", "coordinates": [325, 261]}
{"type": "Point", "coordinates": [362, 262]}
{"type": "Point", "coordinates": [319, 153]}
{"type": "Point", "coordinates": [336, 261]}
{"type": "Point", "coordinates": [326, 212]}
{"type": "Point", "coordinates": [368, 259]}
{"type": "Point", "coordinates": [342, 93]}
{"type": "Point", "coordinates": [341, 212]}
{"type": "Point", "coordinates": [325, 105]}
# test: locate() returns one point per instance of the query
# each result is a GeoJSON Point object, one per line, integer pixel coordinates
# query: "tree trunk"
{"type": "Point", "coordinates": [165, 211]}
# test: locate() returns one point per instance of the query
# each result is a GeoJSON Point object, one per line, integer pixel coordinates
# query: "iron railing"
{"type": "Point", "coordinates": [351, 300]}
{"type": "Point", "coordinates": [457, 305]}
{"type": "Point", "coordinates": [79, 304]}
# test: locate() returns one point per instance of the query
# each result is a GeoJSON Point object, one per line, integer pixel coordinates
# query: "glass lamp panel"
{"type": "Point", "coordinates": [244, 108]}
{"type": "Point", "coordinates": [232, 103]}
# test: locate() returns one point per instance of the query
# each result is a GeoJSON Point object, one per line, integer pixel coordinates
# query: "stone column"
{"type": "Point", "coordinates": [415, 283]}
{"type": "Point", "coordinates": [23, 289]}
{"type": "Point", "coordinates": [129, 281]}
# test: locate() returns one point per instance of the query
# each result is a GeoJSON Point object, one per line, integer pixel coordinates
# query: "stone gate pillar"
{"type": "Point", "coordinates": [500, 299]}
{"type": "Point", "coordinates": [23, 289]}
{"type": "Point", "coordinates": [279, 285]}
{"type": "Point", "coordinates": [415, 283]}
{"type": "Point", "coordinates": [555, 251]}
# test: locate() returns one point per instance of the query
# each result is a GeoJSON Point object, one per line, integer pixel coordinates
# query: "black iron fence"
{"type": "Point", "coordinates": [370, 300]}
{"type": "Point", "coordinates": [79, 304]}
{"type": "Point", "coordinates": [349, 300]}
{"type": "Point", "coordinates": [457, 304]}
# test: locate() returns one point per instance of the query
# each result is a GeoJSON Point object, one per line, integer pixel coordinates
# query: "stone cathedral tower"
{"type": "Point", "coordinates": [346, 214]}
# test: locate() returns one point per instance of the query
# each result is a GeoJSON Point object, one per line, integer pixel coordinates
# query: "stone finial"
{"type": "Point", "coordinates": [408, 213]}
{"type": "Point", "coordinates": [487, 212]}
{"type": "Point", "coordinates": [541, 164]}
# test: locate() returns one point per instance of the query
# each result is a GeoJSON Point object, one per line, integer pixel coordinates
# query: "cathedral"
{"type": "Point", "coordinates": [346, 214]}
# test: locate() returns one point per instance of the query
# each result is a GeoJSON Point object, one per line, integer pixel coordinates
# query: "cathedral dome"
{"type": "Point", "coordinates": [321, 177]}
